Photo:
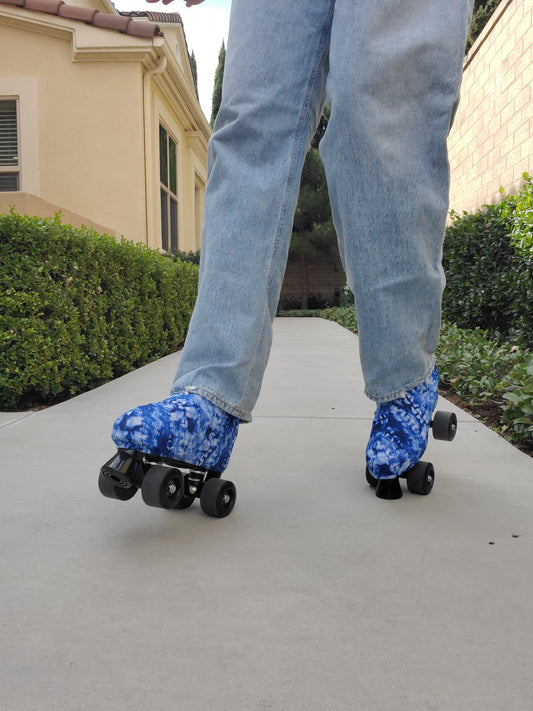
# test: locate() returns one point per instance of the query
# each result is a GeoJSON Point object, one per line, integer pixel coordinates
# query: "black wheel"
{"type": "Point", "coordinates": [218, 497]}
{"type": "Point", "coordinates": [444, 425]}
{"type": "Point", "coordinates": [420, 478]}
{"type": "Point", "coordinates": [114, 488]}
{"type": "Point", "coordinates": [371, 479]}
{"type": "Point", "coordinates": [162, 487]}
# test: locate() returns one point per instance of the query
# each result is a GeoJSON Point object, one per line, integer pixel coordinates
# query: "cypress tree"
{"type": "Point", "coordinates": [194, 70]}
{"type": "Point", "coordinates": [217, 90]}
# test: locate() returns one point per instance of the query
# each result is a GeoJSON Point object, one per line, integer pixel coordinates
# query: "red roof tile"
{"type": "Point", "coordinates": [172, 17]}
{"type": "Point", "coordinates": [49, 6]}
{"type": "Point", "coordinates": [120, 23]}
{"type": "Point", "coordinates": [76, 12]}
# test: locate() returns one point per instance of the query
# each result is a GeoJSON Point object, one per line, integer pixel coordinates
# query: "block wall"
{"type": "Point", "coordinates": [490, 144]}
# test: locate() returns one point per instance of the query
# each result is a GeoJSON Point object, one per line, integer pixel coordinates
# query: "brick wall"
{"type": "Point", "coordinates": [490, 144]}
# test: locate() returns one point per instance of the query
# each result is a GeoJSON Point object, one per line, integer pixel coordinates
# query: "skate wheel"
{"type": "Point", "coordinates": [162, 487]}
{"type": "Point", "coordinates": [420, 478]}
{"type": "Point", "coordinates": [115, 488]}
{"type": "Point", "coordinates": [444, 425]}
{"type": "Point", "coordinates": [218, 497]}
{"type": "Point", "coordinates": [371, 479]}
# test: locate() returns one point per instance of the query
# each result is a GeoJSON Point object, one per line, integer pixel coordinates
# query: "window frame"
{"type": "Point", "coordinates": [168, 189]}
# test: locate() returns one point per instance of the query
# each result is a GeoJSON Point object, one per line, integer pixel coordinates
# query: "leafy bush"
{"type": "Point", "coordinates": [484, 372]}
{"type": "Point", "coordinates": [78, 308]}
{"type": "Point", "coordinates": [344, 315]}
{"type": "Point", "coordinates": [192, 257]}
{"type": "Point", "coordinates": [488, 260]}
{"type": "Point", "coordinates": [345, 296]}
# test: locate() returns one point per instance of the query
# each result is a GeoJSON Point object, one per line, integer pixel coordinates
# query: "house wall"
{"type": "Point", "coordinates": [491, 144]}
{"type": "Point", "coordinates": [90, 143]}
{"type": "Point", "coordinates": [90, 103]}
{"type": "Point", "coordinates": [29, 204]}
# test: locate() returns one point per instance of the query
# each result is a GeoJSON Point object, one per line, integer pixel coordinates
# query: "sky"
{"type": "Point", "coordinates": [206, 26]}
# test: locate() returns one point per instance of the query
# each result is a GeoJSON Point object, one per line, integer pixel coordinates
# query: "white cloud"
{"type": "Point", "coordinates": [206, 26]}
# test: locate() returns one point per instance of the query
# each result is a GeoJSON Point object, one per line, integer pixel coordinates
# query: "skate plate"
{"type": "Point", "coordinates": [164, 483]}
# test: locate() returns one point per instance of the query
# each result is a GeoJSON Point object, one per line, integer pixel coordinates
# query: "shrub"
{"type": "Point", "coordinates": [78, 308]}
{"type": "Point", "coordinates": [343, 315]}
{"type": "Point", "coordinates": [345, 296]}
{"type": "Point", "coordinates": [192, 257]}
{"type": "Point", "coordinates": [488, 260]}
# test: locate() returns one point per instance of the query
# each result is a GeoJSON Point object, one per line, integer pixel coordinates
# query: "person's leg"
{"type": "Point", "coordinates": [274, 82]}
{"type": "Point", "coordinates": [393, 86]}
{"type": "Point", "coordinates": [273, 92]}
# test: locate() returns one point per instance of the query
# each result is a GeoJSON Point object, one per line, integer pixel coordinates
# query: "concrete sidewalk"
{"type": "Point", "coordinates": [313, 595]}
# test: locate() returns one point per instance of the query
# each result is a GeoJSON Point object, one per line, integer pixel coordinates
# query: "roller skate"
{"type": "Point", "coordinates": [399, 438]}
{"type": "Point", "coordinates": [174, 451]}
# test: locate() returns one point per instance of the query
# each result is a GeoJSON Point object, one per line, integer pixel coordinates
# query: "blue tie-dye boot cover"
{"type": "Point", "coordinates": [184, 427]}
{"type": "Point", "coordinates": [400, 430]}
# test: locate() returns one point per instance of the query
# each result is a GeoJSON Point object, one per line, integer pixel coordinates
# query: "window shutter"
{"type": "Point", "coordinates": [8, 133]}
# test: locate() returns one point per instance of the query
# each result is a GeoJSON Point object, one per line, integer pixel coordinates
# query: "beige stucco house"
{"type": "Point", "coordinates": [99, 118]}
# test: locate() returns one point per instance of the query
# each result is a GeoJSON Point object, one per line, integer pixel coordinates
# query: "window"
{"type": "Point", "coordinates": [168, 190]}
{"type": "Point", "coordinates": [9, 151]}
{"type": "Point", "coordinates": [199, 192]}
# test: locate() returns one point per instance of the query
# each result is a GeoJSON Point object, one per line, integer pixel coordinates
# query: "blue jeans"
{"type": "Point", "coordinates": [390, 71]}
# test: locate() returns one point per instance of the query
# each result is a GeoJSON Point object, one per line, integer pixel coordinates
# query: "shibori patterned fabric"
{"type": "Point", "coordinates": [400, 430]}
{"type": "Point", "coordinates": [185, 427]}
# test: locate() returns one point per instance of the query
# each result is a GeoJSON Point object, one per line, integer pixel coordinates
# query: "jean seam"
{"type": "Point", "coordinates": [401, 392]}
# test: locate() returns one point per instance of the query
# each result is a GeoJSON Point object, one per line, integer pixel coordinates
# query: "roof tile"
{"type": "Point", "coordinates": [77, 12]}
{"type": "Point", "coordinates": [142, 29]}
{"type": "Point", "coordinates": [111, 22]}
{"type": "Point", "coordinates": [49, 6]}
{"type": "Point", "coordinates": [119, 23]}
{"type": "Point", "coordinates": [171, 17]}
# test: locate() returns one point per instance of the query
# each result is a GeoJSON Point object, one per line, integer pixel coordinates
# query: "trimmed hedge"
{"type": "Point", "coordinates": [78, 308]}
{"type": "Point", "coordinates": [488, 260]}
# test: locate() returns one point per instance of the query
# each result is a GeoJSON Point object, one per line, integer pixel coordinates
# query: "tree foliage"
{"type": "Point", "coordinates": [313, 234]}
{"type": "Point", "coordinates": [217, 89]}
{"type": "Point", "coordinates": [194, 70]}
{"type": "Point", "coordinates": [483, 10]}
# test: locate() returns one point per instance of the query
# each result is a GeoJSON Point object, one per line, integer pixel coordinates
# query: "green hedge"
{"type": "Point", "coordinates": [488, 260]}
{"type": "Point", "coordinates": [78, 308]}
